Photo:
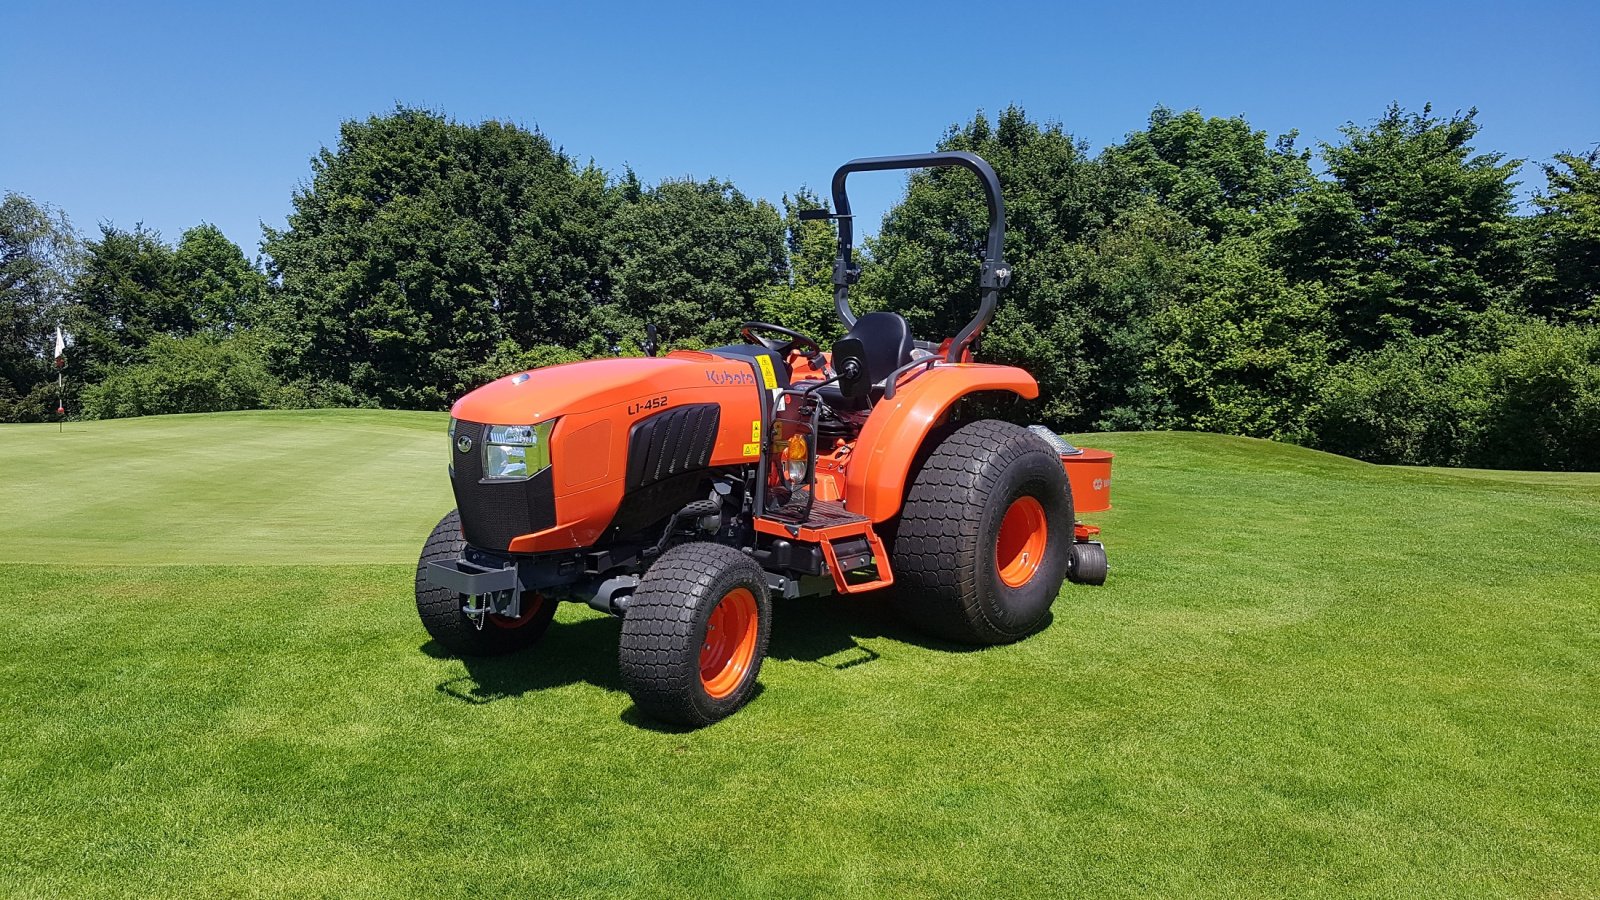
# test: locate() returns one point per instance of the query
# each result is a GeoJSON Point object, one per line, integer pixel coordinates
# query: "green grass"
{"type": "Point", "coordinates": [1307, 677]}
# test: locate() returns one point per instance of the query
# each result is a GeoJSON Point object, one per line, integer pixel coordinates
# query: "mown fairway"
{"type": "Point", "coordinates": [1307, 676]}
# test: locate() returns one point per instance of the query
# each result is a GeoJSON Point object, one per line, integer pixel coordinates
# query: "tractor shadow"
{"type": "Point", "coordinates": [824, 631]}
{"type": "Point", "coordinates": [569, 653]}
{"type": "Point", "coordinates": [828, 630]}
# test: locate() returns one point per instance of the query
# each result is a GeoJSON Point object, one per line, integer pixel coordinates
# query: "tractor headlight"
{"type": "Point", "coordinates": [516, 451]}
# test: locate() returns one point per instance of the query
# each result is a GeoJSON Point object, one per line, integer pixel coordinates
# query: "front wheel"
{"type": "Point", "coordinates": [443, 611]}
{"type": "Point", "coordinates": [695, 633]}
{"type": "Point", "coordinates": [984, 536]}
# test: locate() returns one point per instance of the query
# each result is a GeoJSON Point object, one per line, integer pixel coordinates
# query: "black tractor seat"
{"type": "Point", "coordinates": [887, 340]}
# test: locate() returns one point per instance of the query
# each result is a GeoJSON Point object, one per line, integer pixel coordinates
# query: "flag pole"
{"type": "Point", "coordinates": [61, 391]}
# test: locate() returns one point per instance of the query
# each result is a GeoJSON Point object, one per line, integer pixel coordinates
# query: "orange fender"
{"type": "Point", "coordinates": [875, 484]}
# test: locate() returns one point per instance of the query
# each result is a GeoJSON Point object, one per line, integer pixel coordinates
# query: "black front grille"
{"type": "Point", "coordinates": [671, 443]}
{"type": "Point", "coordinates": [494, 512]}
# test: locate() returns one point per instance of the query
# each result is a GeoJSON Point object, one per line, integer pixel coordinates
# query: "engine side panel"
{"type": "Point", "coordinates": [671, 443]}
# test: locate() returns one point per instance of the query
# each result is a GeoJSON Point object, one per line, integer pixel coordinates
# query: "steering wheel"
{"type": "Point", "coordinates": [797, 341]}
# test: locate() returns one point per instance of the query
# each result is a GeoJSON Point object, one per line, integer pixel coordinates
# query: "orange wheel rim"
{"type": "Point", "coordinates": [530, 608]}
{"type": "Point", "coordinates": [730, 643]}
{"type": "Point", "coordinates": [1020, 547]}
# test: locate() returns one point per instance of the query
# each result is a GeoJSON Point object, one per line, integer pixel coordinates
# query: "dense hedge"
{"type": "Point", "coordinates": [1398, 307]}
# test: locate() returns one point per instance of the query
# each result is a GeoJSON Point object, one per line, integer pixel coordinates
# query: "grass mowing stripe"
{"type": "Point", "coordinates": [1306, 676]}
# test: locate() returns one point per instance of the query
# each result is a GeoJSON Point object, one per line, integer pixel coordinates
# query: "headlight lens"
{"type": "Point", "coordinates": [517, 451]}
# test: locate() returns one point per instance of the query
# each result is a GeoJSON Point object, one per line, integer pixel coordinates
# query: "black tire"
{"type": "Point", "coordinates": [668, 625]}
{"type": "Point", "coordinates": [1088, 564]}
{"type": "Point", "coordinates": [948, 578]}
{"type": "Point", "coordinates": [441, 609]}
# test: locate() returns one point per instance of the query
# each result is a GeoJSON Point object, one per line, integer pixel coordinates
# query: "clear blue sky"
{"type": "Point", "coordinates": [175, 114]}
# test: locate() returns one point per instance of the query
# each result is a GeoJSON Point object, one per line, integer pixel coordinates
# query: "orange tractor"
{"type": "Point", "coordinates": [685, 492]}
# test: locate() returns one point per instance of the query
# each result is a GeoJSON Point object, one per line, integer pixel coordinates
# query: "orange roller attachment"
{"type": "Point", "coordinates": [1089, 472]}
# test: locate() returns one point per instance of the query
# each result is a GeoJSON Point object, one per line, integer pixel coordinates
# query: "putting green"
{"type": "Point", "coordinates": [1307, 676]}
{"type": "Point", "coordinates": [330, 486]}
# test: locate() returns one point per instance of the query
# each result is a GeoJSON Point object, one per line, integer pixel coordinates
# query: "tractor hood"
{"type": "Point", "coordinates": [528, 398]}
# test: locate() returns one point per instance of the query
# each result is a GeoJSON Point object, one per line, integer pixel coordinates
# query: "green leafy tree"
{"type": "Point", "coordinates": [1244, 351]}
{"type": "Point", "coordinates": [805, 301]}
{"type": "Point", "coordinates": [926, 260]}
{"type": "Point", "coordinates": [928, 255]}
{"type": "Point", "coordinates": [39, 256]}
{"type": "Point", "coordinates": [222, 289]}
{"type": "Point", "coordinates": [125, 296]}
{"type": "Point", "coordinates": [1564, 277]}
{"type": "Point", "coordinates": [691, 257]}
{"type": "Point", "coordinates": [1414, 233]}
{"type": "Point", "coordinates": [1410, 402]}
{"type": "Point", "coordinates": [1541, 400]}
{"type": "Point", "coordinates": [1219, 174]}
{"type": "Point", "coordinates": [421, 244]}
{"type": "Point", "coordinates": [1102, 299]}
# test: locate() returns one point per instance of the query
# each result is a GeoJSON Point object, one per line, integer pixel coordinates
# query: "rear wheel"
{"type": "Point", "coordinates": [695, 633]}
{"type": "Point", "coordinates": [444, 616]}
{"type": "Point", "coordinates": [983, 540]}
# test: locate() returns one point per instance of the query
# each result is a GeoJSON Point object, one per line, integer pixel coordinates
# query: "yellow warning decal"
{"type": "Point", "coordinates": [755, 431]}
{"type": "Point", "coordinates": [768, 377]}
{"type": "Point", "coordinates": [752, 449]}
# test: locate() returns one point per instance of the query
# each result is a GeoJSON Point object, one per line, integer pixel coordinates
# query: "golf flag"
{"type": "Point", "coordinates": [61, 365]}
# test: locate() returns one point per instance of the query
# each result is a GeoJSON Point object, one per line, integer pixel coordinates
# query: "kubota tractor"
{"type": "Point", "coordinates": [685, 492]}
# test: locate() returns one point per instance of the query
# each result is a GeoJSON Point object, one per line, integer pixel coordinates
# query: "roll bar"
{"type": "Point", "coordinates": [996, 273]}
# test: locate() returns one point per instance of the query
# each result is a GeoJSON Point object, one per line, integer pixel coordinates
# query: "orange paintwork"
{"type": "Point", "coordinates": [597, 403]}
{"type": "Point", "coordinates": [1024, 533]}
{"type": "Point", "coordinates": [831, 472]}
{"type": "Point", "coordinates": [1089, 473]}
{"type": "Point", "coordinates": [730, 645]}
{"type": "Point", "coordinates": [875, 483]}
{"type": "Point", "coordinates": [800, 368]}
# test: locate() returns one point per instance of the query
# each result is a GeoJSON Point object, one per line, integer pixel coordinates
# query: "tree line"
{"type": "Point", "coordinates": [1380, 296]}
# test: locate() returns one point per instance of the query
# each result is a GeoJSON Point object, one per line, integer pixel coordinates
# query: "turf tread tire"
{"type": "Point", "coordinates": [664, 627]}
{"type": "Point", "coordinates": [1089, 564]}
{"type": "Point", "coordinates": [946, 582]}
{"type": "Point", "coordinates": [441, 612]}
